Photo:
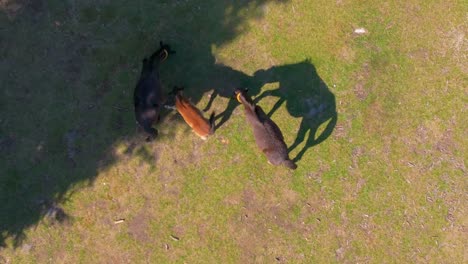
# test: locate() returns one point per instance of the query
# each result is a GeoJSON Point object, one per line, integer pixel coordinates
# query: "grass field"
{"type": "Point", "coordinates": [377, 123]}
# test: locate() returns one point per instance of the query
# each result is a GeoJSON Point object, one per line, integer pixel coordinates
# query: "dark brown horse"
{"type": "Point", "coordinates": [267, 134]}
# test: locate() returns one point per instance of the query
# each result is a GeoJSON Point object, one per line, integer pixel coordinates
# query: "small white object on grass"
{"type": "Point", "coordinates": [119, 221]}
{"type": "Point", "coordinates": [360, 31]}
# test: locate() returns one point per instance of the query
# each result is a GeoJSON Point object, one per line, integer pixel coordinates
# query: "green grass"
{"type": "Point", "coordinates": [387, 185]}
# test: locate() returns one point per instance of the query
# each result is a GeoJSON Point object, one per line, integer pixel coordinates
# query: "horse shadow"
{"type": "Point", "coordinates": [306, 96]}
{"type": "Point", "coordinates": [227, 80]}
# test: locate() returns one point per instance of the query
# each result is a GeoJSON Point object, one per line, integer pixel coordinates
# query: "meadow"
{"type": "Point", "coordinates": [376, 120]}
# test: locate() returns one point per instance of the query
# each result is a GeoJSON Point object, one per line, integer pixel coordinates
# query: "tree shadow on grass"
{"type": "Point", "coordinates": [306, 96]}
{"type": "Point", "coordinates": [68, 70]}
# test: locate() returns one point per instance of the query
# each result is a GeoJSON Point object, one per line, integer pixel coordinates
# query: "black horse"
{"type": "Point", "coordinates": [148, 97]}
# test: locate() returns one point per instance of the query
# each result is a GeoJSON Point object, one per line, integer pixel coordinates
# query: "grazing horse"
{"type": "Point", "coordinates": [267, 134]}
{"type": "Point", "coordinates": [192, 116]}
{"type": "Point", "coordinates": [148, 98]}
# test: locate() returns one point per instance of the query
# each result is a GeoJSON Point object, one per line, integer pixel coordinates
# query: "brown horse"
{"type": "Point", "coordinates": [192, 116]}
{"type": "Point", "coordinates": [267, 134]}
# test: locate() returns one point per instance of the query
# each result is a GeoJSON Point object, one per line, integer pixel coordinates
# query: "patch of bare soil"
{"type": "Point", "coordinates": [345, 237]}
{"type": "Point", "coordinates": [419, 54]}
{"type": "Point", "coordinates": [178, 231]}
{"type": "Point", "coordinates": [347, 53]}
{"type": "Point", "coordinates": [455, 43]}
{"type": "Point", "coordinates": [341, 129]}
{"type": "Point", "coordinates": [138, 226]}
{"type": "Point", "coordinates": [262, 217]}
{"type": "Point", "coordinates": [360, 89]}
{"type": "Point", "coordinates": [356, 154]}
{"type": "Point", "coordinates": [436, 147]}
{"type": "Point", "coordinates": [374, 117]}
{"type": "Point", "coordinates": [445, 144]}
